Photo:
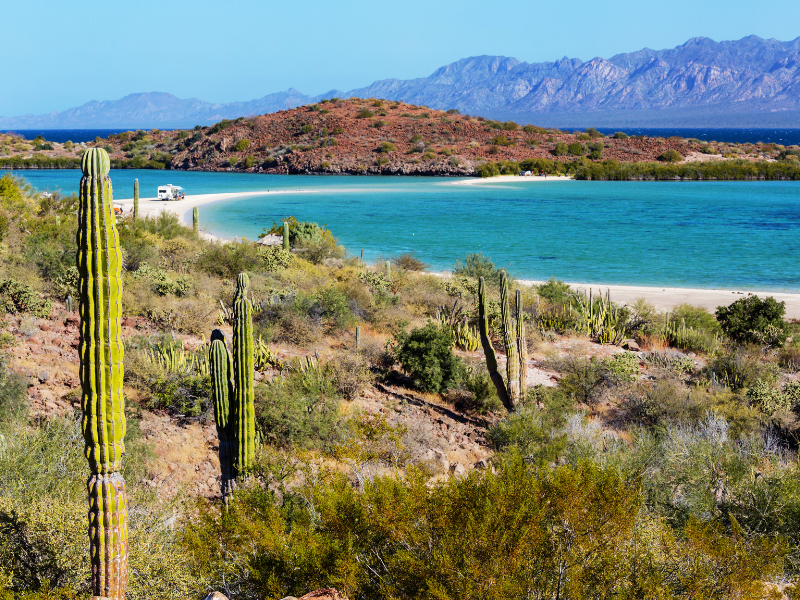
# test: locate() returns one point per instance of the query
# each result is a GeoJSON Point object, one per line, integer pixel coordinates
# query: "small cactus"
{"type": "Point", "coordinates": [100, 348]}
{"type": "Point", "coordinates": [286, 235]}
{"type": "Point", "coordinates": [135, 199]}
{"type": "Point", "coordinates": [513, 333]}
{"type": "Point", "coordinates": [196, 220]}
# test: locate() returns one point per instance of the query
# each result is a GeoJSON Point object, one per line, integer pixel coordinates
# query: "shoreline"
{"type": "Point", "coordinates": [663, 298]}
{"type": "Point", "coordinates": [512, 178]}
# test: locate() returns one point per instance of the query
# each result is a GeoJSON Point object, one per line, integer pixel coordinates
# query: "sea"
{"type": "Point", "coordinates": [786, 137]}
{"type": "Point", "coordinates": [697, 234]}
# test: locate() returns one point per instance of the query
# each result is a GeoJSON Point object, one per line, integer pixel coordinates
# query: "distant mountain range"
{"type": "Point", "coordinates": [751, 82]}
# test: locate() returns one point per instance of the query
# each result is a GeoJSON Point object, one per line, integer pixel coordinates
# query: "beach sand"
{"type": "Point", "coordinates": [663, 298]}
{"type": "Point", "coordinates": [152, 207]}
{"type": "Point", "coordinates": [509, 178]}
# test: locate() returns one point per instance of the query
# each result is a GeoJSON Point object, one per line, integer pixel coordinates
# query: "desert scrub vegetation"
{"type": "Point", "coordinates": [665, 470]}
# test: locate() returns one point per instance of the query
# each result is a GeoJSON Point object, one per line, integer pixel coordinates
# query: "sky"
{"type": "Point", "coordinates": [62, 54]}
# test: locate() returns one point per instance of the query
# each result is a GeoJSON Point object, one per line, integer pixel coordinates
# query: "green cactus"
{"type": "Point", "coordinates": [243, 411]}
{"type": "Point", "coordinates": [514, 343]}
{"type": "Point", "coordinates": [222, 392]}
{"type": "Point", "coordinates": [196, 219]}
{"type": "Point", "coordinates": [135, 199]}
{"type": "Point", "coordinates": [286, 235]}
{"type": "Point", "coordinates": [99, 261]}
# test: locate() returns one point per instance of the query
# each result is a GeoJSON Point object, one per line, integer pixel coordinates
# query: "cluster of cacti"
{"type": "Point", "coordinates": [196, 220]}
{"type": "Point", "coordinates": [465, 337]}
{"type": "Point", "coordinates": [513, 332]}
{"type": "Point", "coordinates": [99, 261]}
{"type": "Point", "coordinates": [135, 199]}
{"type": "Point", "coordinates": [174, 359]}
{"type": "Point", "coordinates": [233, 396]}
{"type": "Point", "coordinates": [601, 319]}
{"type": "Point", "coordinates": [264, 357]}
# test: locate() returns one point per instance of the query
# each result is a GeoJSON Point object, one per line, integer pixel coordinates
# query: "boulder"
{"type": "Point", "coordinates": [631, 345]}
{"type": "Point", "coordinates": [216, 596]}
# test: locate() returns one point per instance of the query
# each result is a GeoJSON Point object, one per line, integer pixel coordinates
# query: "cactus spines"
{"type": "Point", "coordinates": [488, 349]}
{"type": "Point", "coordinates": [196, 220]}
{"type": "Point", "coordinates": [522, 347]}
{"type": "Point", "coordinates": [222, 394]}
{"type": "Point", "coordinates": [286, 235]}
{"type": "Point", "coordinates": [509, 342]}
{"type": "Point", "coordinates": [135, 199]}
{"type": "Point", "coordinates": [99, 262]}
{"type": "Point", "coordinates": [243, 411]}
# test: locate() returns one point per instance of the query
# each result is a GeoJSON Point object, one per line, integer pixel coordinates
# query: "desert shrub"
{"type": "Point", "coordinates": [753, 320]}
{"type": "Point", "coordinates": [502, 140]}
{"type": "Point", "coordinates": [622, 367]}
{"type": "Point", "coordinates": [487, 169]}
{"type": "Point", "coordinates": [276, 258]}
{"type": "Point", "coordinates": [576, 149]}
{"type": "Point", "coordinates": [349, 372]}
{"type": "Point", "coordinates": [299, 409]}
{"type": "Point", "coordinates": [477, 265]}
{"type": "Point", "coordinates": [408, 262]}
{"type": "Point", "coordinates": [619, 135]}
{"type": "Point", "coordinates": [228, 260]}
{"type": "Point", "coordinates": [17, 297]}
{"type": "Point", "coordinates": [769, 399]}
{"type": "Point", "coordinates": [695, 317]}
{"type": "Point", "coordinates": [560, 149]}
{"type": "Point", "coordinates": [740, 368]}
{"type": "Point", "coordinates": [387, 147]}
{"type": "Point", "coordinates": [484, 398]}
{"type": "Point", "coordinates": [789, 358]}
{"type": "Point", "coordinates": [364, 113]}
{"type": "Point", "coordinates": [427, 355]}
{"type": "Point", "coordinates": [582, 379]}
{"type": "Point", "coordinates": [164, 284]}
{"type": "Point", "coordinates": [13, 394]}
{"type": "Point", "coordinates": [555, 291]}
{"type": "Point", "coordinates": [670, 156]}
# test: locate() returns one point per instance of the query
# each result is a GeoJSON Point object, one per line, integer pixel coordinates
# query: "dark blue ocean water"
{"type": "Point", "coordinates": [777, 136]}
{"type": "Point", "coordinates": [729, 235]}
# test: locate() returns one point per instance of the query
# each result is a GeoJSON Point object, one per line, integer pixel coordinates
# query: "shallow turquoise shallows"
{"type": "Point", "coordinates": [684, 234]}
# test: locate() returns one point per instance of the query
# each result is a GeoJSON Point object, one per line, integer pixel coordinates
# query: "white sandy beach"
{"type": "Point", "coordinates": [152, 207]}
{"type": "Point", "coordinates": [510, 178]}
{"type": "Point", "coordinates": [664, 298]}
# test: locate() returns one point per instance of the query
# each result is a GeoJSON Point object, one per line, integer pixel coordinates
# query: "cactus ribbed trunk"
{"type": "Point", "coordinates": [509, 342]}
{"type": "Point", "coordinates": [243, 411]}
{"type": "Point", "coordinates": [522, 348]}
{"type": "Point", "coordinates": [286, 236]}
{"type": "Point", "coordinates": [488, 349]}
{"type": "Point", "coordinates": [135, 199]}
{"type": "Point", "coordinates": [99, 262]}
{"type": "Point", "coordinates": [196, 219]}
{"type": "Point", "coordinates": [222, 392]}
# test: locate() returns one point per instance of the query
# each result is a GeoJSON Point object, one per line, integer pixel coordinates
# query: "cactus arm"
{"type": "Point", "coordinates": [522, 348]}
{"type": "Point", "coordinates": [509, 341]}
{"type": "Point", "coordinates": [244, 428]}
{"type": "Point", "coordinates": [488, 349]}
{"type": "Point", "coordinates": [135, 199]}
{"type": "Point", "coordinates": [99, 262]}
{"type": "Point", "coordinates": [222, 393]}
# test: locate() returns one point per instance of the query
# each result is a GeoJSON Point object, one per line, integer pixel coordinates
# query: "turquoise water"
{"type": "Point", "coordinates": [684, 234]}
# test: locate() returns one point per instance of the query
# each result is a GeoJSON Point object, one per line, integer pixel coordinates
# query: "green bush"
{"type": "Point", "coordinates": [299, 409]}
{"type": "Point", "coordinates": [753, 320]}
{"type": "Point", "coordinates": [502, 140]}
{"type": "Point", "coordinates": [671, 156]}
{"type": "Point", "coordinates": [622, 367]}
{"type": "Point", "coordinates": [13, 395]}
{"type": "Point", "coordinates": [484, 398]}
{"type": "Point", "coordinates": [475, 266]}
{"type": "Point", "coordinates": [555, 291]}
{"type": "Point", "coordinates": [619, 135]}
{"type": "Point", "coordinates": [427, 355]}
{"type": "Point", "coordinates": [576, 149]}
{"type": "Point", "coordinates": [560, 149]}
{"type": "Point", "coordinates": [387, 147]}
{"type": "Point", "coordinates": [17, 297]}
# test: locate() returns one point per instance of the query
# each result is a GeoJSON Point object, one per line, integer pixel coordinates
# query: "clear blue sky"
{"type": "Point", "coordinates": [61, 54]}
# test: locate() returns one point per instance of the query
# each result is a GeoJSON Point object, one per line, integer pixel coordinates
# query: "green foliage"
{"type": "Point", "coordinates": [576, 149]}
{"type": "Point", "coordinates": [555, 291]}
{"type": "Point", "coordinates": [502, 140]}
{"type": "Point", "coordinates": [17, 297]}
{"type": "Point", "coordinates": [427, 355]}
{"type": "Point", "coordinates": [753, 320]}
{"type": "Point", "coordinates": [739, 368]}
{"type": "Point", "coordinates": [560, 149]}
{"type": "Point", "coordinates": [610, 170]}
{"type": "Point", "coordinates": [387, 147]}
{"type": "Point", "coordinates": [364, 113]}
{"type": "Point", "coordinates": [619, 135]}
{"type": "Point", "coordinates": [622, 367]}
{"type": "Point", "coordinates": [13, 395]}
{"type": "Point", "coordinates": [475, 266]}
{"type": "Point", "coordinates": [770, 399]}
{"type": "Point", "coordinates": [671, 156]}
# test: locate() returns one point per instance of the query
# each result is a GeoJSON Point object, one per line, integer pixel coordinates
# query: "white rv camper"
{"type": "Point", "coordinates": [171, 192]}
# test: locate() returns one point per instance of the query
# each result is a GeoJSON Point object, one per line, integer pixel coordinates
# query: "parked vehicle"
{"type": "Point", "coordinates": [171, 192]}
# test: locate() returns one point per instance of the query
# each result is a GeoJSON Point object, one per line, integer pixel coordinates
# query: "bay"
{"type": "Point", "coordinates": [729, 235]}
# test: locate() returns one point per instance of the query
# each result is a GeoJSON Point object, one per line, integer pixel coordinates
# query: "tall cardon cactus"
{"type": "Point", "coordinates": [513, 334]}
{"type": "Point", "coordinates": [99, 261]}
{"type": "Point", "coordinates": [196, 219]}
{"type": "Point", "coordinates": [135, 199]}
{"type": "Point", "coordinates": [243, 411]}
